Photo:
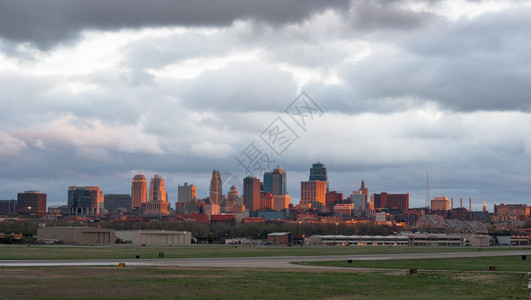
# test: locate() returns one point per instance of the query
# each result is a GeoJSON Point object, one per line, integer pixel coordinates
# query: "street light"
{"type": "Point", "coordinates": [29, 214]}
{"type": "Point", "coordinates": [335, 237]}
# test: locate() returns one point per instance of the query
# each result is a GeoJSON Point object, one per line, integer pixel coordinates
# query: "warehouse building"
{"type": "Point", "coordinates": [76, 235]}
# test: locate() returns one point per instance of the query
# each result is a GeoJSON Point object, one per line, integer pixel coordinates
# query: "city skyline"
{"type": "Point", "coordinates": [179, 89]}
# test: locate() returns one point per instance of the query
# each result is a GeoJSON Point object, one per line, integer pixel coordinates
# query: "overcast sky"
{"type": "Point", "coordinates": [93, 92]}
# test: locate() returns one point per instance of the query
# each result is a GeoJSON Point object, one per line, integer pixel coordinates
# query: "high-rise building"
{"type": "Point", "coordinates": [318, 173]}
{"type": "Point", "coordinates": [85, 200]}
{"type": "Point", "coordinates": [158, 204]}
{"type": "Point", "coordinates": [314, 193]}
{"type": "Point", "coordinates": [275, 181]}
{"type": "Point", "coordinates": [216, 191]}
{"type": "Point", "coordinates": [31, 203]}
{"type": "Point", "coordinates": [117, 202]}
{"type": "Point", "coordinates": [138, 191]}
{"type": "Point", "coordinates": [251, 193]}
{"type": "Point", "coordinates": [8, 207]}
{"type": "Point", "coordinates": [186, 193]}
{"type": "Point", "coordinates": [233, 202]}
{"type": "Point", "coordinates": [360, 198]}
{"type": "Point", "coordinates": [440, 203]}
{"type": "Point", "coordinates": [266, 201]}
{"type": "Point", "coordinates": [333, 198]}
{"type": "Point", "coordinates": [391, 201]}
{"type": "Point", "coordinates": [157, 191]}
{"type": "Point", "coordinates": [281, 202]}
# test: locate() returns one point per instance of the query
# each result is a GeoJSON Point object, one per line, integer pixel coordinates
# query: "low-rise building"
{"type": "Point", "coordinates": [280, 238]}
{"type": "Point", "coordinates": [155, 237]}
{"type": "Point", "coordinates": [76, 235]}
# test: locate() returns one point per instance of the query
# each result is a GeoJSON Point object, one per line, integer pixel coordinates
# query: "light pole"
{"type": "Point", "coordinates": [29, 214]}
{"type": "Point", "coordinates": [300, 233]}
{"type": "Point", "coordinates": [335, 237]}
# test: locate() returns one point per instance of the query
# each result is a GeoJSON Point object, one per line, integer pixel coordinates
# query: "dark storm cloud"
{"type": "Point", "coordinates": [48, 22]}
{"type": "Point", "coordinates": [387, 15]}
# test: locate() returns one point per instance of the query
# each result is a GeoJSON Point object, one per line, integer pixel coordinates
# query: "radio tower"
{"type": "Point", "coordinates": [427, 204]}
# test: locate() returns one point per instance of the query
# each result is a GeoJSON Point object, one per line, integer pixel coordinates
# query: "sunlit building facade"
{"type": "Point", "coordinates": [216, 191]}
{"type": "Point", "coordinates": [275, 181]}
{"type": "Point", "coordinates": [85, 200]}
{"type": "Point", "coordinates": [314, 193]}
{"type": "Point", "coordinates": [138, 191]}
{"type": "Point", "coordinates": [251, 193]}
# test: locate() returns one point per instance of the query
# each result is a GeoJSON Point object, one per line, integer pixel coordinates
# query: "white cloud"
{"type": "Point", "coordinates": [9, 145]}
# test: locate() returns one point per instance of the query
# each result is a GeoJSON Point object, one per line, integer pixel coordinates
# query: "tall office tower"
{"type": "Point", "coordinates": [157, 191]}
{"type": "Point", "coordinates": [251, 193]}
{"type": "Point", "coordinates": [266, 201]}
{"type": "Point", "coordinates": [232, 199]}
{"type": "Point", "coordinates": [216, 191]}
{"type": "Point", "coordinates": [31, 203]}
{"type": "Point", "coordinates": [138, 191]}
{"type": "Point", "coordinates": [186, 193]}
{"type": "Point", "coordinates": [360, 198]}
{"type": "Point", "coordinates": [85, 200]}
{"type": "Point", "coordinates": [440, 203]}
{"type": "Point", "coordinates": [314, 192]}
{"type": "Point", "coordinates": [275, 181]}
{"type": "Point", "coordinates": [318, 173]}
{"type": "Point", "coordinates": [158, 204]}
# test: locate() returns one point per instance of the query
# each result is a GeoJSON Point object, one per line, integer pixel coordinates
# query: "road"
{"type": "Point", "coordinates": [278, 262]}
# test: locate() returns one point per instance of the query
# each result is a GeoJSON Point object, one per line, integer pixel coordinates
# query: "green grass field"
{"type": "Point", "coordinates": [200, 251]}
{"type": "Point", "coordinates": [501, 263]}
{"type": "Point", "coordinates": [175, 283]}
{"type": "Point", "coordinates": [509, 281]}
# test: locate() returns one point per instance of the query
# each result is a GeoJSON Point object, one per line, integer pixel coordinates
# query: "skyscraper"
{"type": "Point", "coordinates": [314, 192]}
{"type": "Point", "coordinates": [275, 181]}
{"type": "Point", "coordinates": [31, 203]}
{"type": "Point", "coordinates": [85, 200]}
{"type": "Point", "coordinates": [251, 193]}
{"type": "Point", "coordinates": [157, 191]}
{"type": "Point", "coordinates": [318, 172]}
{"type": "Point", "coordinates": [138, 191]}
{"type": "Point", "coordinates": [216, 191]}
{"type": "Point", "coordinates": [360, 198]}
{"type": "Point", "coordinates": [158, 203]}
{"type": "Point", "coordinates": [186, 193]}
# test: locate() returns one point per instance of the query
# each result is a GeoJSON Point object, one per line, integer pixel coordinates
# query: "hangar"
{"type": "Point", "coordinates": [77, 235]}
{"type": "Point", "coordinates": [155, 237]}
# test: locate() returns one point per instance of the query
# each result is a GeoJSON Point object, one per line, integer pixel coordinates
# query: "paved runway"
{"type": "Point", "coordinates": [279, 262]}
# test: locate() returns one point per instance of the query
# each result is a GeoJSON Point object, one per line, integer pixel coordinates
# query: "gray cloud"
{"type": "Point", "coordinates": [46, 23]}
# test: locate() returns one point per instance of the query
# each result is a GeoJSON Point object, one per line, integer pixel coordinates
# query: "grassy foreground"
{"type": "Point", "coordinates": [501, 263]}
{"type": "Point", "coordinates": [175, 283]}
{"type": "Point", "coordinates": [23, 252]}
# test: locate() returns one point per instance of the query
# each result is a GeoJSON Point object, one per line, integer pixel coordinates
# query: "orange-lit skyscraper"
{"type": "Point", "coordinates": [157, 191]}
{"type": "Point", "coordinates": [251, 193]}
{"type": "Point", "coordinates": [158, 204]}
{"type": "Point", "coordinates": [138, 191]}
{"type": "Point", "coordinates": [216, 191]}
{"type": "Point", "coordinates": [314, 192]}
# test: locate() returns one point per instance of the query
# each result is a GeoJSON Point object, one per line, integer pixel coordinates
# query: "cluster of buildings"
{"type": "Point", "coordinates": [257, 200]}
